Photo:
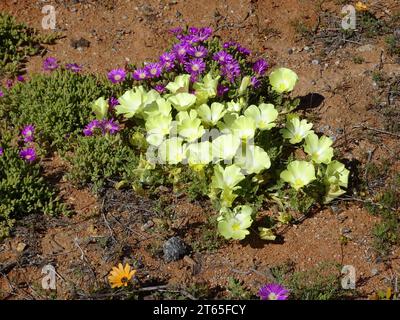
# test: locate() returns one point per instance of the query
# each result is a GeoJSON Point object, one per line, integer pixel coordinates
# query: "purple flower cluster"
{"type": "Point", "coordinates": [50, 64]}
{"type": "Point", "coordinates": [230, 67]}
{"type": "Point", "coordinates": [28, 153]}
{"type": "Point", "coordinates": [105, 126]}
{"type": "Point", "coordinates": [188, 53]}
{"type": "Point", "coordinates": [1, 94]}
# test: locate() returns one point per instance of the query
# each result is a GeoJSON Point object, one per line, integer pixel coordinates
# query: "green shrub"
{"type": "Point", "coordinates": [98, 160]}
{"type": "Point", "coordinates": [57, 104]}
{"type": "Point", "coordinates": [22, 188]}
{"type": "Point", "coordinates": [17, 42]}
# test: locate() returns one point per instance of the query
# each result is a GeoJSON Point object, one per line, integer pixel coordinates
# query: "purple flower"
{"type": "Point", "coordinates": [254, 82]}
{"type": "Point", "coordinates": [200, 34]}
{"type": "Point", "coordinates": [222, 57]}
{"type": "Point", "coordinates": [73, 67]}
{"type": "Point", "coordinates": [204, 34]}
{"type": "Point", "coordinates": [198, 52]}
{"type": "Point", "coordinates": [9, 83]}
{"type": "Point", "coordinates": [28, 132]}
{"type": "Point", "coordinates": [176, 31]}
{"type": "Point", "coordinates": [231, 70]}
{"type": "Point", "coordinates": [1, 151]}
{"type": "Point", "coordinates": [113, 102]}
{"type": "Point", "coordinates": [50, 64]}
{"type": "Point", "coordinates": [180, 50]}
{"type": "Point", "coordinates": [221, 90]}
{"type": "Point", "coordinates": [189, 39]}
{"type": "Point", "coordinates": [237, 46]}
{"type": "Point", "coordinates": [273, 291]}
{"type": "Point", "coordinates": [193, 30]}
{"type": "Point", "coordinates": [153, 70]}
{"type": "Point", "coordinates": [260, 67]}
{"type": "Point", "coordinates": [140, 74]}
{"type": "Point", "coordinates": [159, 88]}
{"type": "Point", "coordinates": [28, 154]}
{"type": "Point", "coordinates": [91, 126]}
{"type": "Point", "coordinates": [243, 50]}
{"type": "Point", "coordinates": [167, 60]}
{"type": "Point", "coordinates": [109, 126]}
{"type": "Point", "coordinates": [20, 78]}
{"type": "Point", "coordinates": [1, 93]}
{"type": "Point", "coordinates": [195, 66]}
{"type": "Point", "coordinates": [117, 75]}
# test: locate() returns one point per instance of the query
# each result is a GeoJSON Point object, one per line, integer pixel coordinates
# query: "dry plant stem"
{"type": "Point", "coordinates": [377, 130]}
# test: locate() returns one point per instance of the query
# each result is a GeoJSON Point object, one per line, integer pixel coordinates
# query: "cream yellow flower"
{"type": "Point", "coordinates": [120, 277]}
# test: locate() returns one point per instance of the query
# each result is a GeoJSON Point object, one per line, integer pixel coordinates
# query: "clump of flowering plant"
{"type": "Point", "coordinates": [212, 107]}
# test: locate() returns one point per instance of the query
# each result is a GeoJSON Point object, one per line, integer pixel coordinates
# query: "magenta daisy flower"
{"type": "Point", "coordinates": [116, 75]}
{"type": "Point", "coordinates": [260, 67]}
{"type": "Point", "coordinates": [195, 66]}
{"type": "Point", "coordinates": [1, 93]}
{"type": "Point", "coordinates": [181, 50]}
{"type": "Point", "coordinates": [254, 82]}
{"type": "Point", "coordinates": [243, 50]}
{"type": "Point", "coordinates": [113, 102]}
{"type": "Point", "coordinates": [73, 67]}
{"type": "Point", "coordinates": [222, 57]}
{"type": "Point", "coordinates": [90, 127]}
{"type": "Point", "coordinates": [109, 126]}
{"type": "Point", "coordinates": [221, 90]}
{"type": "Point", "coordinates": [273, 291]}
{"type": "Point", "coordinates": [198, 52]}
{"type": "Point", "coordinates": [167, 60]}
{"type": "Point", "coordinates": [204, 33]}
{"type": "Point", "coordinates": [50, 64]}
{"type": "Point", "coordinates": [231, 70]}
{"type": "Point", "coordinates": [176, 31]}
{"type": "Point", "coordinates": [20, 78]}
{"type": "Point", "coordinates": [140, 74]}
{"type": "Point", "coordinates": [1, 151]}
{"type": "Point", "coordinates": [28, 154]}
{"type": "Point", "coordinates": [190, 39]}
{"type": "Point", "coordinates": [153, 70]}
{"type": "Point", "coordinates": [159, 88]}
{"type": "Point", "coordinates": [28, 132]}
{"type": "Point", "coordinates": [237, 46]}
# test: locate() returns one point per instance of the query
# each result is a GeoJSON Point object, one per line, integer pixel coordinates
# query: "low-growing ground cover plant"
{"type": "Point", "coordinates": [23, 189]}
{"type": "Point", "coordinates": [17, 42]}
{"type": "Point", "coordinates": [58, 104]}
{"type": "Point", "coordinates": [207, 106]}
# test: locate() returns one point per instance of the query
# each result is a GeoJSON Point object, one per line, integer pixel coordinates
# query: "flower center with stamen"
{"type": "Point", "coordinates": [124, 279]}
{"type": "Point", "coordinates": [272, 296]}
{"type": "Point", "coordinates": [117, 77]}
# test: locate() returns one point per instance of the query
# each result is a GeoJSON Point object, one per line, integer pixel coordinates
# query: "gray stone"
{"type": "Point", "coordinates": [174, 249]}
